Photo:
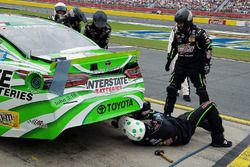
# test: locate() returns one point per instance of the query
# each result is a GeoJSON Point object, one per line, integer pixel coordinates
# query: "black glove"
{"type": "Point", "coordinates": [167, 66]}
{"type": "Point", "coordinates": [207, 68]}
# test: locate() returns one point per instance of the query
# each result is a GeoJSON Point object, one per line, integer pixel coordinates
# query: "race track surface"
{"type": "Point", "coordinates": [100, 145]}
{"type": "Point", "coordinates": [227, 83]}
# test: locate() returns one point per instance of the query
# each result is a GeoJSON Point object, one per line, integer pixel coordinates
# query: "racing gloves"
{"type": "Point", "coordinates": [168, 63]}
{"type": "Point", "coordinates": [207, 61]}
{"type": "Point", "coordinates": [167, 66]}
{"type": "Point", "coordinates": [207, 68]}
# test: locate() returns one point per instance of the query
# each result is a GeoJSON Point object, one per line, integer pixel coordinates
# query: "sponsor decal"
{"type": "Point", "coordinates": [110, 107]}
{"type": "Point", "coordinates": [218, 41]}
{"type": "Point", "coordinates": [217, 21]}
{"type": "Point", "coordinates": [5, 78]}
{"type": "Point", "coordinates": [38, 123]}
{"type": "Point", "coordinates": [3, 55]}
{"type": "Point", "coordinates": [185, 49]}
{"type": "Point", "coordinates": [108, 63]}
{"type": "Point", "coordinates": [65, 99]}
{"type": "Point", "coordinates": [9, 118]}
{"type": "Point", "coordinates": [204, 105]}
{"type": "Point", "coordinates": [106, 85]}
{"type": "Point", "coordinates": [101, 109]}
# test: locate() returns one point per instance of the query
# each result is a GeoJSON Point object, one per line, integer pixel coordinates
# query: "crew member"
{"type": "Point", "coordinates": [74, 18]}
{"type": "Point", "coordinates": [99, 30]}
{"type": "Point", "coordinates": [153, 128]}
{"type": "Point", "coordinates": [185, 86]}
{"type": "Point", "coordinates": [60, 11]}
{"type": "Point", "coordinates": [194, 50]}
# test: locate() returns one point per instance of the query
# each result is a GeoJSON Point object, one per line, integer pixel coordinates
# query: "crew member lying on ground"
{"type": "Point", "coordinates": [152, 128]}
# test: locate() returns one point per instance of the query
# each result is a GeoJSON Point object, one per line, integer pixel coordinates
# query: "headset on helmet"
{"type": "Point", "coordinates": [184, 15]}
{"type": "Point", "coordinates": [100, 19]}
{"type": "Point", "coordinates": [134, 129]}
{"type": "Point", "coordinates": [60, 7]}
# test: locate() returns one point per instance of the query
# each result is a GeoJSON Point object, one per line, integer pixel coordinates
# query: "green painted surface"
{"type": "Point", "coordinates": [161, 45]}
{"type": "Point", "coordinates": [44, 115]}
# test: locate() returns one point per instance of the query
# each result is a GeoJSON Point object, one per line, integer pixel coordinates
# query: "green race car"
{"type": "Point", "coordinates": [54, 78]}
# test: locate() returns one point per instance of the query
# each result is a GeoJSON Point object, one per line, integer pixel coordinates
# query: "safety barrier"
{"type": "Point", "coordinates": [169, 11]}
{"type": "Point", "coordinates": [50, 5]}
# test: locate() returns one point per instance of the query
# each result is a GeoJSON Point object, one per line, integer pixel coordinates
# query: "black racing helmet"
{"type": "Point", "coordinates": [184, 15]}
{"type": "Point", "coordinates": [100, 19]}
{"type": "Point", "coordinates": [79, 15]}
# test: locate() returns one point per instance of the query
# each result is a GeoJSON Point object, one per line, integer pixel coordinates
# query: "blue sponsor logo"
{"type": "Point", "coordinates": [3, 55]}
{"type": "Point", "coordinates": [223, 42]}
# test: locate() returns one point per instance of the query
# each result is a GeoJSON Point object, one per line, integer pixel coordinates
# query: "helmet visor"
{"type": "Point", "coordinates": [60, 8]}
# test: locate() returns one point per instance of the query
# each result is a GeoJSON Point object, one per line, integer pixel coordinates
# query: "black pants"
{"type": "Point", "coordinates": [206, 116]}
{"type": "Point", "coordinates": [199, 81]}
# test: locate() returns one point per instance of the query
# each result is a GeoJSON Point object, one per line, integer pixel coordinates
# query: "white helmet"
{"type": "Point", "coordinates": [60, 7]}
{"type": "Point", "coordinates": [134, 129]}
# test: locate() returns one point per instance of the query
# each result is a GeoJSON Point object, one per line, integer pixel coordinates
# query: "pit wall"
{"type": "Point", "coordinates": [140, 12]}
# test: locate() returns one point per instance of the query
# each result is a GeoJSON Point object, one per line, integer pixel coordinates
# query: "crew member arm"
{"type": "Point", "coordinates": [172, 47]}
{"type": "Point", "coordinates": [87, 31]}
{"type": "Point", "coordinates": [205, 43]}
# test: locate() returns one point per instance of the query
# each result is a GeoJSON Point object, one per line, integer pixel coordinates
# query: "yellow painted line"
{"type": "Point", "coordinates": [34, 158]}
{"type": "Point", "coordinates": [113, 12]}
{"type": "Point", "coordinates": [225, 117]}
{"type": "Point", "coordinates": [243, 160]}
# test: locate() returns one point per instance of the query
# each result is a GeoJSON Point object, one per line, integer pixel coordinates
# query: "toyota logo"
{"type": "Point", "coordinates": [101, 109]}
{"type": "Point", "coordinates": [108, 63]}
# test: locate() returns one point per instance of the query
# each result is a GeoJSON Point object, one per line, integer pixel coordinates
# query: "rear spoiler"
{"type": "Point", "coordinates": [98, 57]}
{"type": "Point", "coordinates": [61, 66]}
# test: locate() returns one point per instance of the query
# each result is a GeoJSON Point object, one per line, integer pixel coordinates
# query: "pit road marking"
{"type": "Point", "coordinates": [225, 117]}
{"type": "Point", "coordinates": [243, 160]}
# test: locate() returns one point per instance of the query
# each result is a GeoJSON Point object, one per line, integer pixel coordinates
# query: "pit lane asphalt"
{"type": "Point", "coordinates": [227, 83]}
{"type": "Point", "coordinates": [100, 145]}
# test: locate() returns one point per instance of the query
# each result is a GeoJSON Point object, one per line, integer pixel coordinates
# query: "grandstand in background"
{"type": "Point", "coordinates": [225, 8]}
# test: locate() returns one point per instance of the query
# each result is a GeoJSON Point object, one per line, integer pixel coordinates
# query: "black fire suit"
{"type": "Point", "coordinates": [72, 22]}
{"type": "Point", "coordinates": [194, 50]}
{"type": "Point", "coordinates": [160, 129]}
{"type": "Point", "coordinates": [99, 35]}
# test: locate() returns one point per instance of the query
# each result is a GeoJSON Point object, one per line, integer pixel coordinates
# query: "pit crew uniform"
{"type": "Point", "coordinates": [194, 54]}
{"type": "Point", "coordinates": [99, 35]}
{"type": "Point", "coordinates": [185, 87]}
{"type": "Point", "coordinates": [172, 131]}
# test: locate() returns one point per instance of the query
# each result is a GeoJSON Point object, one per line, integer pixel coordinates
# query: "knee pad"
{"type": "Point", "coordinates": [172, 90]}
